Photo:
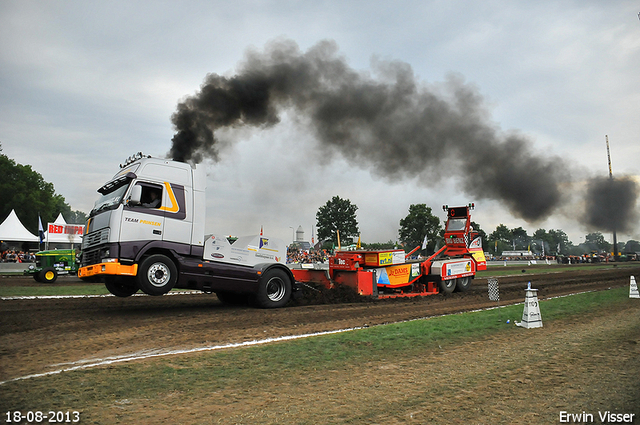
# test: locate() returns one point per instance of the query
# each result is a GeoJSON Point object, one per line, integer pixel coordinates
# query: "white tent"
{"type": "Point", "coordinates": [13, 230]}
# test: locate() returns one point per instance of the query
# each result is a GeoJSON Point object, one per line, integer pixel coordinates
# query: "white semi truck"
{"type": "Point", "coordinates": [147, 232]}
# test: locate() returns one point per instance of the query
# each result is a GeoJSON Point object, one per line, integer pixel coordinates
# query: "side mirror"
{"type": "Point", "coordinates": [135, 196]}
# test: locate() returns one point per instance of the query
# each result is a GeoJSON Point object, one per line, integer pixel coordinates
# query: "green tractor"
{"type": "Point", "coordinates": [50, 264]}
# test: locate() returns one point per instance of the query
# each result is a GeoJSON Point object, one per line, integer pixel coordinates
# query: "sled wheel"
{"type": "Point", "coordinates": [447, 286]}
{"type": "Point", "coordinates": [463, 284]}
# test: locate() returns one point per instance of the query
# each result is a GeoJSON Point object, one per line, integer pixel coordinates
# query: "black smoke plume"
{"type": "Point", "coordinates": [611, 204]}
{"type": "Point", "coordinates": [386, 120]}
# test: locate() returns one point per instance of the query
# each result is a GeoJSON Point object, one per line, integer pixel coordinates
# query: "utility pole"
{"type": "Point", "coordinates": [615, 238]}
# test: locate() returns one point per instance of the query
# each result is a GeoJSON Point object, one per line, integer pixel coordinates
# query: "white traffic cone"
{"type": "Point", "coordinates": [531, 317]}
{"type": "Point", "coordinates": [633, 288]}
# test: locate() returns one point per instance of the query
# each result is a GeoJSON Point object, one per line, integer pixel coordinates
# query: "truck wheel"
{"type": "Point", "coordinates": [463, 284]}
{"type": "Point", "coordinates": [48, 275]}
{"type": "Point", "coordinates": [157, 275]}
{"type": "Point", "coordinates": [120, 286]}
{"type": "Point", "coordinates": [447, 286]}
{"type": "Point", "coordinates": [274, 289]}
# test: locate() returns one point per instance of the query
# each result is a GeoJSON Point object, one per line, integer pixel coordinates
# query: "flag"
{"type": "Point", "coordinates": [358, 246]}
{"type": "Point", "coordinates": [261, 231]}
{"type": "Point", "coordinates": [424, 242]}
{"type": "Point", "coordinates": [40, 229]}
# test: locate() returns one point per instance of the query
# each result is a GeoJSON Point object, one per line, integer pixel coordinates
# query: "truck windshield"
{"type": "Point", "coordinates": [456, 224]}
{"type": "Point", "coordinates": [112, 194]}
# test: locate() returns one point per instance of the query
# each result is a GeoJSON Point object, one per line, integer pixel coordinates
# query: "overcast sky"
{"type": "Point", "coordinates": [83, 85]}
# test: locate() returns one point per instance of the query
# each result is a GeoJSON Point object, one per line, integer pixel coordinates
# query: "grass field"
{"type": "Point", "coordinates": [544, 268]}
{"type": "Point", "coordinates": [298, 381]}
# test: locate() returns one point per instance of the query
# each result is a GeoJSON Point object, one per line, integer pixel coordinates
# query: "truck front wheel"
{"type": "Point", "coordinates": [274, 289]}
{"type": "Point", "coordinates": [121, 286]}
{"type": "Point", "coordinates": [157, 275]}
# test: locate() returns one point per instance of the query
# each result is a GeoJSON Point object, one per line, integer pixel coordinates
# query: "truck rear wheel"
{"type": "Point", "coordinates": [157, 275]}
{"type": "Point", "coordinates": [274, 289]}
{"type": "Point", "coordinates": [121, 286]}
{"type": "Point", "coordinates": [447, 286]}
{"type": "Point", "coordinates": [463, 284]}
{"type": "Point", "coordinates": [48, 275]}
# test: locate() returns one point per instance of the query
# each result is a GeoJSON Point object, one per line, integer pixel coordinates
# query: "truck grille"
{"type": "Point", "coordinates": [91, 257]}
{"type": "Point", "coordinates": [96, 238]}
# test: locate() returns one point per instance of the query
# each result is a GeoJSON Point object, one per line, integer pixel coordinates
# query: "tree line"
{"type": "Point", "coordinates": [338, 216]}
{"type": "Point", "coordinates": [25, 191]}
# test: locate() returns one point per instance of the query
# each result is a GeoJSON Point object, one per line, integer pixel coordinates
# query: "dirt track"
{"type": "Point", "coordinates": [38, 335]}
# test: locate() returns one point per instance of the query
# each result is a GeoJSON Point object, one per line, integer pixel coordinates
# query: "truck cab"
{"type": "Point", "coordinates": [146, 232]}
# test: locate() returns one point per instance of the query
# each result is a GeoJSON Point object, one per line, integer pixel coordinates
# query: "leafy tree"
{"type": "Point", "coordinates": [632, 246]}
{"type": "Point", "coordinates": [418, 223]}
{"type": "Point", "coordinates": [501, 234]}
{"type": "Point", "coordinates": [379, 245]}
{"type": "Point", "coordinates": [337, 214]}
{"type": "Point", "coordinates": [24, 190]}
{"type": "Point", "coordinates": [499, 240]}
{"type": "Point", "coordinates": [520, 238]}
{"type": "Point", "coordinates": [558, 238]}
{"type": "Point", "coordinates": [596, 242]}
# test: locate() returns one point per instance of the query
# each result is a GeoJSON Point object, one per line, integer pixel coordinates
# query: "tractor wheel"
{"type": "Point", "coordinates": [447, 286]}
{"type": "Point", "coordinates": [157, 275]}
{"type": "Point", "coordinates": [121, 286]}
{"type": "Point", "coordinates": [274, 289]}
{"type": "Point", "coordinates": [48, 275]}
{"type": "Point", "coordinates": [463, 284]}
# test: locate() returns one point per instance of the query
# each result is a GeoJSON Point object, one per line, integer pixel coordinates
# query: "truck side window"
{"type": "Point", "coordinates": [151, 196]}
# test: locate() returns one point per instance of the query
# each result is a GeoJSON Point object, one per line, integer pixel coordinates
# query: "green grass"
{"type": "Point", "coordinates": [208, 372]}
{"type": "Point", "coordinates": [544, 268]}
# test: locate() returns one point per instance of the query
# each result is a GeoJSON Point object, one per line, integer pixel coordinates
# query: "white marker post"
{"type": "Point", "coordinates": [531, 317]}
{"type": "Point", "coordinates": [633, 288]}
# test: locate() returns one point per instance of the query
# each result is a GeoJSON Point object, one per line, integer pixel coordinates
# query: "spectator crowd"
{"type": "Point", "coordinates": [298, 256]}
{"type": "Point", "coordinates": [17, 257]}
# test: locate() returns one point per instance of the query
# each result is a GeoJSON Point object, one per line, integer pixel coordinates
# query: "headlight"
{"type": "Point", "coordinates": [109, 260]}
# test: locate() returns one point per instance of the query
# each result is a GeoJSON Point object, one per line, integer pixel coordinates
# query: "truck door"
{"type": "Point", "coordinates": [145, 222]}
